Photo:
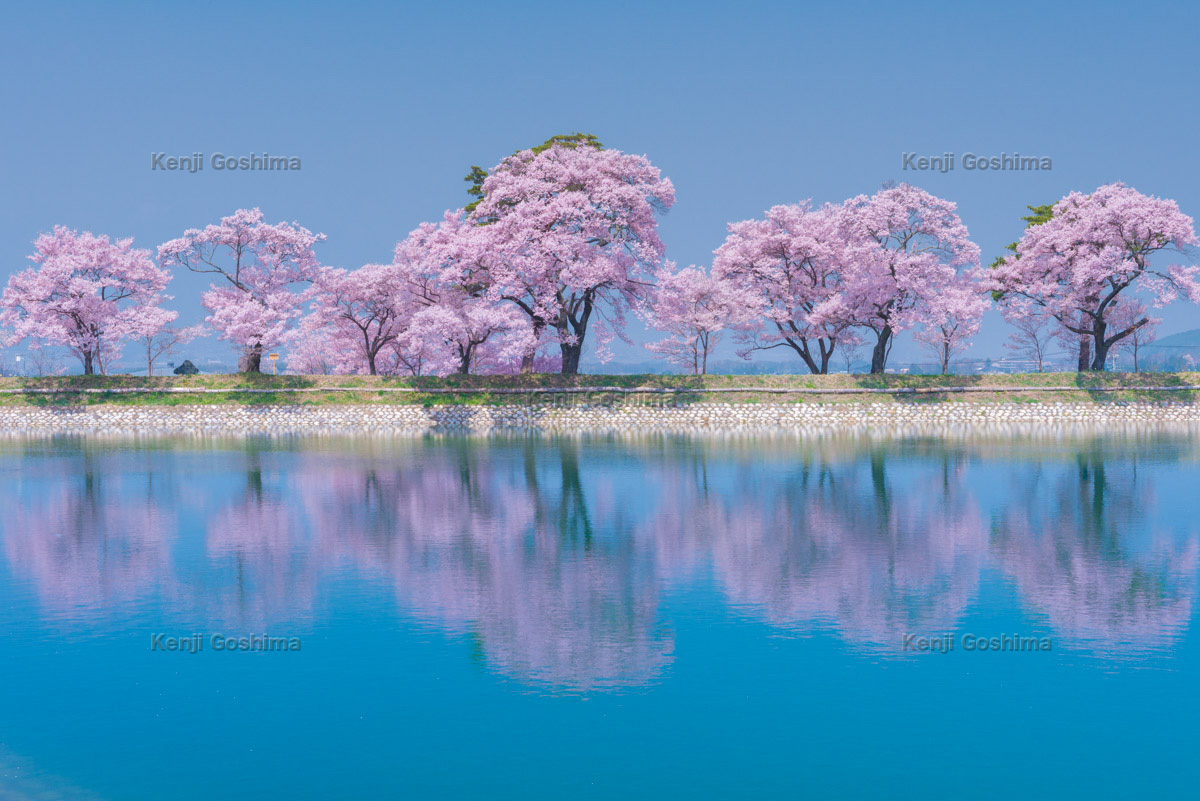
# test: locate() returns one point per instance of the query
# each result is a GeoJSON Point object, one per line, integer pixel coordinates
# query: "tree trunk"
{"type": "Point", "coordinates": [1100, 346]}
{"type": "Point", "coordinates": [574, 328]}
{"type": "Point", "coordinates": [251, 361]}
{"type": "Point", "coordinates": [372, 350]}
{"type": "Point", "coordinates": [826, 354]}
{"type": "Point", "coordinates": [89, 367]}
{"type": "Point", "coordinates": [809, 362]}
{"type": "Point", "coordinates": [528, 359]}
{"type": "Point", "coordinates": [879, 353]}
{"type": "Point", "coordinates": [570, 358]}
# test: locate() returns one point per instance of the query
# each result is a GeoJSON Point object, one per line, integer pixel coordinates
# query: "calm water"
{"type": "Point", "coordinates": [592, 618]}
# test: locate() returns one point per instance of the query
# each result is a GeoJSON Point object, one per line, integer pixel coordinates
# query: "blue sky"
{"type": "Point", "coordinates": [743, 106]}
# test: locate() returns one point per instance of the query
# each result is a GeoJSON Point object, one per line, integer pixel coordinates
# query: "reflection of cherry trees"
{"type": "Point", "coordinates": [841, 545]}
{"type": "Point", "coordinates": [89, 537]}
{"type": "Point", "coordinates": [506, 549]}
{"type": "Point", "coordinates": [97, 530]}
{"type": "Point", "coordinates": [266, 571]}
{"type": "Point", "coordinates": [1075, 542]}
{"type": "Point", "coordinates": [551, 556]}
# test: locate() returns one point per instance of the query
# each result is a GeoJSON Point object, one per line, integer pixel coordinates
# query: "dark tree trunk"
{"type": "Point", "coordinates": [1099, 345]}
{"type": "Point", "coordinates": [579, 327]}
{"type": "Point", "coordinates": [570, 358]}
{"type": "Point", "coordinates": [371, 350]}
{"type": "Point", "coordinates": [804, 350]}
{"type": "Point", "coordinates": [1085, 348]}
{"type": "Point", "coordinates": [826, 354]}
{"type": "Point", "coordinates": [812, 366]}
{"type": "Point", "coordinates": [879, 353]}
{"type": "Point", "coordinates": [89, 364]}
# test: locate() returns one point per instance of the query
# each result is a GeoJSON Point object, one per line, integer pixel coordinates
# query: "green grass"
{"type": "Point", "coordinates": [257, 389]}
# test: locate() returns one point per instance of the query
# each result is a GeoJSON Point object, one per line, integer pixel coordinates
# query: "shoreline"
{"type": "Point", "coordinates": [598, 389]}
{"type": "Point", "coordinates": [895, 420]}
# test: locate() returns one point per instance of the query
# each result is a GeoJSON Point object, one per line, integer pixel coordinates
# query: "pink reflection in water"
{"type": "Point", "coordinates": [552, 558]}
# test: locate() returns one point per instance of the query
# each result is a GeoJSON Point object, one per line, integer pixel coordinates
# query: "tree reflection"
{"type": "Point", "coordinates": [835, 543]}
{"type": "Point", "coordinates": [92, 538]}
{"type": "Point", "coordinates": [1076, 541]}
{"type": "Point", "coordinates": [264, 568]}
{"type": "Point", "coordinates": [509, 551]}
{"type": "Point", "coordinates": [550, 557]}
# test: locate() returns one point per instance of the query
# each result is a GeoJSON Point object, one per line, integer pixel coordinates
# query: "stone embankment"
{"type": "Point", "coordinates": [894, 419]}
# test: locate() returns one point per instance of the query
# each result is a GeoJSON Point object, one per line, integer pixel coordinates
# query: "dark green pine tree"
{"type": "Point", "coordinates": [1041, 214]}
{"type": "Point", "coordinates": [478, 174]}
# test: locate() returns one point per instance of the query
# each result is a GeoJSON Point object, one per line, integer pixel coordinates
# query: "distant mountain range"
{"type": "Point", "coordinates": [1184, 339]}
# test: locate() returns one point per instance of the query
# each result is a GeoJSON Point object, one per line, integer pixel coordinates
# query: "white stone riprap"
{"type": "Point", "coordinates": [885, 419]}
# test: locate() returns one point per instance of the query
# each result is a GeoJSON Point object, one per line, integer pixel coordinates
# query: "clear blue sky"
{"type": "Point", "coordinates": [743, 106]}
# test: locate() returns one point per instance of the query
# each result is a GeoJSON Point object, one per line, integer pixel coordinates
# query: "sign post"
{"type": "Point", "coordinates": [274, 356]}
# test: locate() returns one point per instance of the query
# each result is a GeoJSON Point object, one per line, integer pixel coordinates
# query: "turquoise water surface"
{"type": "Point", "coordinates": [594, 618]}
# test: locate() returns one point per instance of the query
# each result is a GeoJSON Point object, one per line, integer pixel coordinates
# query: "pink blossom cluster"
{"type": "Point", "coordinates": [869, 268]}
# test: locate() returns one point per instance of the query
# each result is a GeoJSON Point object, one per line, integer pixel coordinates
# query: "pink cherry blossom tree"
{"type": "Point", "coordinates": [263, 267]}
{"type": "Point", "coordinates": [443, 270]}
{"type": "Point", "coordinates": [367, 309]}
{"type": "Point", "coordinates": [322, 348]}
{"type": "Point", "coordinates": [87, 294]}
{"type": "Point", "coordinates": [952, 319]}
{"type": "Point", "coordinates": [789, 267]}
{"type": "Point", "coordinates": [466, 332]}
{"type": "Point", "coordinates": [1094, 250]}
{"type": "Point", "coordinates": [695, 308]}
{"type": "Point", "coordinates": [905, 246]}
{"type": "Point", "coordinates": [570, 236]}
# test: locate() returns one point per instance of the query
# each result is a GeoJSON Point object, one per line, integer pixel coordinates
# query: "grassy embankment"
{"type": "Point", "coordinates": [265, 389]}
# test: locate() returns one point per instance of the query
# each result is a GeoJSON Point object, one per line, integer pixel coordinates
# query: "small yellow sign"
{"type": "Point", "coordinates": [274, 356]}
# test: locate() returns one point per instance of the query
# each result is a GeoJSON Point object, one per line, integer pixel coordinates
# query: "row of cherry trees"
{"type": "Point", "coordinates": [561, 244]}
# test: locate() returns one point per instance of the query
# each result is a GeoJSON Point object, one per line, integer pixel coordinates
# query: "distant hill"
{"type": "Point", "coordinates": [1184, 339]}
